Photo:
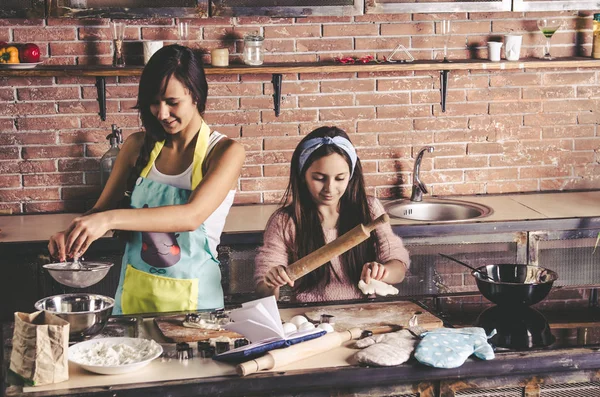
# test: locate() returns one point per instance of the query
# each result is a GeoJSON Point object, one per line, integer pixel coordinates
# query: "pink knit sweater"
{"type": "Point", "coordinates": [280, 236]}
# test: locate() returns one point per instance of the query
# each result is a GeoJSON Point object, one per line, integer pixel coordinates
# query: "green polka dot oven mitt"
{"type": "Point", "coordinates": [450, 347]}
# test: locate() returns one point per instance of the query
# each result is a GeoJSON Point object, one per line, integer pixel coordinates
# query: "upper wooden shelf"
{"type": "Point", "coordinates": [106, 71]}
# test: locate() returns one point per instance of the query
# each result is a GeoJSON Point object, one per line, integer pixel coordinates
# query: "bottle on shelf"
{"type": "Point", "coordinates": [596, 37]}
{"type": "Point", "coordinates": [108, 159]}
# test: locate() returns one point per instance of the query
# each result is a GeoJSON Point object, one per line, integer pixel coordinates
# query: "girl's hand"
{"type": "Point", "coordinates": [83, 231]}
{"type": "Point", "coordinates": [373, 270]}
{"type": "Point", "coordinates": [56, 246]}
{"type": "Point", "coordinates": [277, 277]}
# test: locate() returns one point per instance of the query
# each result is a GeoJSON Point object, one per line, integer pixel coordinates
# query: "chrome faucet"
{"type": "Point", "coordinates": [418, 187]}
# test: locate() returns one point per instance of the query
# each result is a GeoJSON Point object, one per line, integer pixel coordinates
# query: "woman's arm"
{"type": "Point", "coordinates": [222, 172]}
{"type": "Point", "coordinates": [391, 272]}
{"type": "Point", "coordinates": [111, 194]}
{"type": "Point", "coordinates": [392, 257]}
{"type": "Point", "coordinates": [272, 258]}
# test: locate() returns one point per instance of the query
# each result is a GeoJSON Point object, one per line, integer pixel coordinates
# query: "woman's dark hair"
{"type": "Point", "coordinates": [301, 208]}
{"type": "Point", "coordinates": [171, 61]}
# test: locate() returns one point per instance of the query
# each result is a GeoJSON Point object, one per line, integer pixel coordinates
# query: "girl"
{"type": "Point", "coordinates": [180, 175]}
{"type": "Point", "coordinates": [327, 198]}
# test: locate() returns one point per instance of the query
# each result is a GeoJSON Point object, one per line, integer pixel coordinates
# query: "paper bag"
{"type": "Point", "coordinates": [39, 348]}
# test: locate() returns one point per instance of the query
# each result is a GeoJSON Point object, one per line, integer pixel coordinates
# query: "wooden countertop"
{"type": "Point", "coordinates": [253, 218]}
{"type": "Point", "coordinates": [336, 369]}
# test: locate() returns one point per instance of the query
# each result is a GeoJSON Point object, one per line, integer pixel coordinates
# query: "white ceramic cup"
{"type": "Point", "coordinates": [150, 47]}
{"type": "Point", "coordinates": [494, 50]}
{"type": "Point", "coordinates": [512, 46]}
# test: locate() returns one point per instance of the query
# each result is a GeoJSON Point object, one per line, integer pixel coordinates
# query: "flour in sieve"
{"type": "Point", "coordinates": [110, 354]}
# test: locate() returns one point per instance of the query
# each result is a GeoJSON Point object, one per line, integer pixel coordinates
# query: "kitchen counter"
{"type": "Point", "coordinates": [252, 219]}
{"type": "Point", "coordinates": [331, 373]}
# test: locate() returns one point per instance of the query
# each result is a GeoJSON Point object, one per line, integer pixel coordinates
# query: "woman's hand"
{"type": "Point", "coordinates": [56, 246]}
{"type": "Point", "coordinates": [373, 270]}
{"type": "Point", "coordinates": [83, 231]}
{"type": "Point", "coordinates": [277, 277]}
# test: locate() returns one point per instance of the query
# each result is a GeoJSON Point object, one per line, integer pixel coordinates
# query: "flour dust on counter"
{"type": "Point", "coordinates": [373, 315]}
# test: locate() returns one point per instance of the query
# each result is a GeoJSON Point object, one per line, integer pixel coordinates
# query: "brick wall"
{"type": "Point", "coordinates": [503, 131]}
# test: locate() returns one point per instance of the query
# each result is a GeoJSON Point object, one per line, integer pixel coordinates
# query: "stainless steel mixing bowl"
{"type": "Point", "coordinates": [87, 314]}
{"type": "Point", "coordinates": [80, 274]}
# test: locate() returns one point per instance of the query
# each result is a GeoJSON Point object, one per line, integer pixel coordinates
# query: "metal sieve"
{"type": "Point", "coordinates": [78, 274]}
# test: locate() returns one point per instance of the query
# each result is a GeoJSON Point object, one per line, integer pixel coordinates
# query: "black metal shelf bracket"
{"type": "Point", "coordinates": [101, 88]}
{"type": "Point", "coordinates": [276, 80]}
{"type": "Point", "coordinates": [444, 88]}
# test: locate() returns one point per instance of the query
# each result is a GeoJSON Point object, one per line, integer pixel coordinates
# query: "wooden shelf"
{"type": "Point", "coordinates": [108, 71]}
{"type": "Point", "coordinates": [100, 72]}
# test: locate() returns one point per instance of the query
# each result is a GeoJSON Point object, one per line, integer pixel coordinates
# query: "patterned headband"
{"type": "Point", "coordinates": [309, 146]}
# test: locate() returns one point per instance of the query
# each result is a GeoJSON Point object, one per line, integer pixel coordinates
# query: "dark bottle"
{"type": "Point", "coordinates": [108, 159]}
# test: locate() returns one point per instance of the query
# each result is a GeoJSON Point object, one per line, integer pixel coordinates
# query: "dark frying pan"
{"type": "Point", "coordinates": [514, 284]}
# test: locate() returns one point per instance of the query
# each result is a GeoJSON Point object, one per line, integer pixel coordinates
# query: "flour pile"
{"type": "Point", "coordinates": [107, 353]}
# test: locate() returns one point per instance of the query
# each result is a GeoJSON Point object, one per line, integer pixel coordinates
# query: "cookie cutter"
{"type": "Point", "coordinates": [184, 351]}
{"type": "Point", "coordinates": [399, 47]}
{"type": "Point", "coordinates": [326, 319]}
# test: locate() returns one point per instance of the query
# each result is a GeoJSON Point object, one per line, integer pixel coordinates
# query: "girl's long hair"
{"type": "Point", "coordinates": [302, 210]}
{"type": "Point", "coordinates": [173, 61]}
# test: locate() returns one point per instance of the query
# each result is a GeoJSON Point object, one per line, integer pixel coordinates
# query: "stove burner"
{"type": "Point", "coordinates": [520, 327]}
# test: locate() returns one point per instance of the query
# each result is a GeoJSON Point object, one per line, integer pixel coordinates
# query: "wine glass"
{"type": "Point", "coordinates": [548, 26]}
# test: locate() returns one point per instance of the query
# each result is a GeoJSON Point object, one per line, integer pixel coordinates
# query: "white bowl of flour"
{"type": "Point", "coordinates": [111, 356]}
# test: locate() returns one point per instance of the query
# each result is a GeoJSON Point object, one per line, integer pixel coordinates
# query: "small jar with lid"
{"type": "Point", "coordinates": [596, 37]}
{"type": "Point", "coordinates": [254, 53]}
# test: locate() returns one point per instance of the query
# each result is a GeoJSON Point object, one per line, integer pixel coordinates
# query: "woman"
{"type": "Point", "coordinates": [180, 176]}
{"type": "Point", "coordinates": [327, 198]}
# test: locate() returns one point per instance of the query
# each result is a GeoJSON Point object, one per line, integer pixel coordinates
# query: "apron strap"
{"type": "Point", "coordinates": [199, 155]}
{"type": "Point", "coordinates": [153, 156]}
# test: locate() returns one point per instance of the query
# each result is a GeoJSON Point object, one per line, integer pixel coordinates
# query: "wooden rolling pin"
{"type": "Point", "coordinates": [280, 357]}
{"type": "Point", "coordinates": [335, 248]}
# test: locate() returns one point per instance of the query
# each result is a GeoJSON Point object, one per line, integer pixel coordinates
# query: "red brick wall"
{"type": "Point", "coordinates": [503, 131]}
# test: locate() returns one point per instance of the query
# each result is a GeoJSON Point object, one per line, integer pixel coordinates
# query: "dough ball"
{"type": "Point", "coordinates": [306, 326]}
{"type": "Point", "coordinates": [288, 328]}
{"type": "Point", "coordinates": [377, 287]}
{"type": "Point", "coordinates": [298, 320]}
{"type": "Point", "coordinates": [325, 326]}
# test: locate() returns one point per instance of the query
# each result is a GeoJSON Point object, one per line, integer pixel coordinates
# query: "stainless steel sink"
{"type": "Point", "coordinates": [437, 210]}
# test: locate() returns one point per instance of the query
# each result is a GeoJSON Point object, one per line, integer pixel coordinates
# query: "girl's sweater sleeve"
{"type": "Point", "coordinates": [274, 251]}
{"type": "Point", "coordinates": [389, 245]}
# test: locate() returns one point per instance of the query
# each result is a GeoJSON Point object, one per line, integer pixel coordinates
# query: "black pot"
{"type": "Point", "coordinates": [513, 284]}
{"type": "Point", "coordinates": [516, 328]}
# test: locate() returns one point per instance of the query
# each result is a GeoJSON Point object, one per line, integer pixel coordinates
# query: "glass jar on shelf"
{"type": "Point", "coordinates": [254, 53]}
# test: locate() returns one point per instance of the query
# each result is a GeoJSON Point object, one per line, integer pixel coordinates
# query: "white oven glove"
{"type": "Point", "coordinates": [387, 350]}
{"type": "Point", "coordinates": [450, 347]}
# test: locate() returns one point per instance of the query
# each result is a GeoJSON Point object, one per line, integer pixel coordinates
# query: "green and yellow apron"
{"type": "Point", "coordinates": [164, 272]}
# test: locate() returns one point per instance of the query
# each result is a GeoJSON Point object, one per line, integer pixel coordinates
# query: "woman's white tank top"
{"type": "Point", "coordinates": [215, 223]}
